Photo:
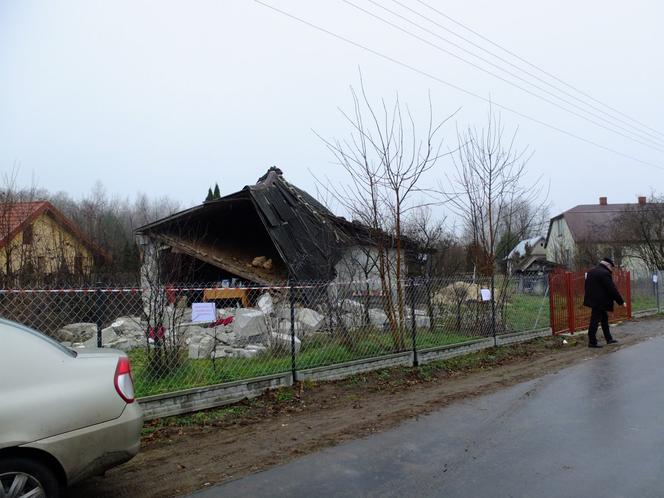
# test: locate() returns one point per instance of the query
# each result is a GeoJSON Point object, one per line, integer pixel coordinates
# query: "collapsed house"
{"type": "Point", "coordinates": [264, 234]}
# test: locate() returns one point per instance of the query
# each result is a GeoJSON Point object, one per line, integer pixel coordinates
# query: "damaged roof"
{"type": "Point", "coordinates": [307, 236]}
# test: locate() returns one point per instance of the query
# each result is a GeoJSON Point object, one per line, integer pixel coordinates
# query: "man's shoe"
{"type": "Point", "coordinates": [594, 346]}
{"type": "Point", "coordinates": [612, 341]}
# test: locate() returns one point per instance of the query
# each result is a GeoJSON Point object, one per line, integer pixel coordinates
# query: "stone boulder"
{"type": "Point", "coordinates": [108, 336]}
{"type": "Point", "coordinates": [283, 342]}
{"type": "Point", "coordinates": [76, 332]}
{"type": "Point", "coordinates": [377, 317]}
{"type": "Point", "coordinates": [282, 310]}
{"type": "Point", "coordinates": [250, 325]}
{"type": "Point", "coordinates": [201, 347]}
{"type": "Point", "coordinates": [284, 327]}
{"type": "Point", "coordinates": [421, 321]}
{"type": "Point", "coordinates": [350, 306]}
{"type": "Point", "coordinates": [125, 344]}
{"type": "Point", "coordinates": [308, 319]}
{"type": "Point", "coordinates": [265, 303]}
{"type": "Point", "coordinates": [353, 320]}
{"type": "Point", "coordinates": [129, 326]}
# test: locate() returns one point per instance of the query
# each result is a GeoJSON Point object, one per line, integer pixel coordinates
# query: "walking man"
{"type": "Point", "coordinates": [600, 293]}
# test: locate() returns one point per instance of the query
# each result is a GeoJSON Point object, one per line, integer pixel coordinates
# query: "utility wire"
{"type": "Point", "coordinates": [581, 92]}
{"type": "Point", "coordinates": [642, 132]}
{"type": "Point", "coordinates": [653, 145]}
{"type": "Point", "coordinates": [456, 87]}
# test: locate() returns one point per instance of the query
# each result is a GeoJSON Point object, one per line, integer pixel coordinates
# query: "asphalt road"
{"type": "Point", "coordinates": [594, 429]}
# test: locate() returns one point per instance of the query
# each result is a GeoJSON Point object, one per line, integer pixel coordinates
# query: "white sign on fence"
{"type": "Point", "coordinates": [486, 294]}
{"type": "Point", "coordinates": [203, 312]}
{"type": "Point", "coordinates": [654, 278]}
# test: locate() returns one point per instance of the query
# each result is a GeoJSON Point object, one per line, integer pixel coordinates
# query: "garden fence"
{"type": "Point", "coordinates": [567, 312]}
{"type": "Point", "coordinates": [183, 336]}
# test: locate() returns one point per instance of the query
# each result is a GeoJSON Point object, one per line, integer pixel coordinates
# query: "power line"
{"type": "Point", "coordinates": [456, 87]}
{"type": "Point", "coordinates": [653, 145]}
{"type": "Point", "coordinates": [581, 92]}
{"type": "Point", "coordinates": [518, 68]}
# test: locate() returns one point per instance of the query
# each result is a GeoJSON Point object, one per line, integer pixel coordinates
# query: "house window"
{"type": "Point", "coordinates": [27, 235]}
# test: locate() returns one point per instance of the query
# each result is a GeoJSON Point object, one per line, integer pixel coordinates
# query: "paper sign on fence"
{"type": "Point", "coordinates": [203, 312]}
{"type": "Point", "coordinates": [485, 294]}
{"type": "Point", "coordinates": [654, 278]}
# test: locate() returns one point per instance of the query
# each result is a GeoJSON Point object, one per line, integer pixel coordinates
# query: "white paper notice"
{"type": "Point", "coordinates": [654, 278]}
{"type": "Point", "coordinates": [203, 312]}
{"type": "Point", "coordinates": [486, 294]}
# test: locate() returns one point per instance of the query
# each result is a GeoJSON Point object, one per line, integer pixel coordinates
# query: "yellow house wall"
{"type": "Point", "coordinates": [51, 243]}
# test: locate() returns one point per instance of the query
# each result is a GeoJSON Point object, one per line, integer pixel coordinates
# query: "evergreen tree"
{"type": "Point", "coordinates": [216, 194]}
{"type": "Point", "coordinates": [209, 195]}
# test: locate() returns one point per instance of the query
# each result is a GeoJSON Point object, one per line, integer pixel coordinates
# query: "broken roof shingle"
{"type": "Point", "coordinates": [307, 236]}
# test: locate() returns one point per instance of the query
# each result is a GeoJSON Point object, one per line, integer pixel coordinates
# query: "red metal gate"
{"type": "Point", "coordinates": [567, 312]}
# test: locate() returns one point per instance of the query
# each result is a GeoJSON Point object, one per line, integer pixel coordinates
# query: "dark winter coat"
{"type": "Point", "coordinates": [601, 291]}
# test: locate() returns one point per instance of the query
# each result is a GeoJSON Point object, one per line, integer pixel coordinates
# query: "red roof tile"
{"type": "Point", "coordinates": [14, 217]}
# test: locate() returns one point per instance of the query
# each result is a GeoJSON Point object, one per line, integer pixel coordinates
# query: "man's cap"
{"type": "Point", "coordinates": [610, 261]}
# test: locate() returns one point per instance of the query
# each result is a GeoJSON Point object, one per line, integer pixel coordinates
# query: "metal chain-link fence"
{"type": "Point", "coordinates": [184, 336]}
{"type": "Point", "coordinates": [647, 293]}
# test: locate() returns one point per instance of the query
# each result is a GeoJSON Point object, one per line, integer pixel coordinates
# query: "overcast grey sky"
{"type": "Point", "coordinates": [167, 97]}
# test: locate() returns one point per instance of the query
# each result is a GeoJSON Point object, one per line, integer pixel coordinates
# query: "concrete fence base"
{"type": "Point", "coordinates": [201, 398]}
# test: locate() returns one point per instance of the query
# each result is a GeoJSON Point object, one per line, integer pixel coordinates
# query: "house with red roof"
{"type": "Point", "coordinates": [38, 241]}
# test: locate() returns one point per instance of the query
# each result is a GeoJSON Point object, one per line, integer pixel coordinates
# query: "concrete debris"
{"type": "Point", "coordinates": [350, 306]}
{"type": "Point", "coordinates": [284, 327]}
{"type": "Point", "coordinates": [251, 331]}
{"type": "Point", "coordinates": [76, 332]}
{"type": "Point", "coordinates": [259, 261]}
{"type": "Point", "coordinates": [377, 317]}
{"type": "Point", "coordinates": [202, 348]}
{"type": "Point", "coordinates": [308, 319]}
{"type": "Point", "coordinates": [250, 324]}
{"type": "Point", "coordinates": [352, 320]}
{"type": "Point", "coordinates": [283, 342]}
{"type": "Point", "coordinates": [108, 335]}
{"type": "Point", "coordinates": [265, 303]}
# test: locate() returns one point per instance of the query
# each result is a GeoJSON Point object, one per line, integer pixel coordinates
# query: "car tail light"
{"type": "Point", "coordinates": [124, 384]}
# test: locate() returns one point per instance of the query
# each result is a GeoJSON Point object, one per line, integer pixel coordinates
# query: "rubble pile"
{"type": "Point", "coordinates": [236, 333]}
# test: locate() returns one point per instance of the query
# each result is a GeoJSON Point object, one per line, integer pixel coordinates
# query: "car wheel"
{"type": "Point", "coordinates": [24, 478]}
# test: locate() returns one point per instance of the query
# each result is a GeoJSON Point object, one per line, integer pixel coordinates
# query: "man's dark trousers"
{"type": "Point", "coordinates": [598, 316]}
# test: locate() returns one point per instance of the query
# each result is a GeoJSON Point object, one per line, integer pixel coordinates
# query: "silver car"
{"type": "Point", "coordinates": [64, 415]}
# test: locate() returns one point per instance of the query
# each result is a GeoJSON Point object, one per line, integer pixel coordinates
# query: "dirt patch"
{"type": "Point", "coordinates": [183, 454]}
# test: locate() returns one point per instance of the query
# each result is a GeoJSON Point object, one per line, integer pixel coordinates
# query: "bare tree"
{"type": "Point", "coordinates": [639, 230]}
{"type": "Point", "coordinates": [489, 193]}
{"type": "Point", "coordinates": [385, 157]}
{"type": "Point", "coordinates": [430, 237]}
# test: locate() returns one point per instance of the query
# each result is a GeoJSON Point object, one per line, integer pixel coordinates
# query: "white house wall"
{"type": "Point", "coordinates": [560, 247]}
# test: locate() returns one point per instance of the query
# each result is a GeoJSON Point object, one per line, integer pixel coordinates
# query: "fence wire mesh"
{"type": "Point", "coordinates": [257, 331]}
{"type": "Point", "coordinates": [646, 292]}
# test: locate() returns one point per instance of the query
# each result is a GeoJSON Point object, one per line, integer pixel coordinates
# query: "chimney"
{"type": "Point", "coordinates": [642, 200]}
{"type": "Point", "coordinates": [603, 201]}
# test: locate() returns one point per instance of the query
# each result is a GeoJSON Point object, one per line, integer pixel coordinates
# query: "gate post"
{"type": "Point", "coordinates": [571, 322]}
{"type": "Point", "coordinates": [628, 294]}
{"type": "Point", "coordinates": [552, 314]}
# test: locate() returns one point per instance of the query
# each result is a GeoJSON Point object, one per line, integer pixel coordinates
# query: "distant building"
{"type": "Point", "coordinates": [529, 256]}
{"type": "Point", "coordinates": [581, 236]}
{"type": "Point", "coordinates": [528, 263]}
{"type": "Point", "coordinates": [39, 243]}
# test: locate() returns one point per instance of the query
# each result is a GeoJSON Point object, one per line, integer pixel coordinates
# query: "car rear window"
{"type": "Point", "coordinates": [41, 336]}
